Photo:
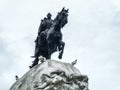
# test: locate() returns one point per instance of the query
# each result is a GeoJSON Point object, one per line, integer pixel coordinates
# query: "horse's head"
{"type": "Point", "coordinates": [62, 17]}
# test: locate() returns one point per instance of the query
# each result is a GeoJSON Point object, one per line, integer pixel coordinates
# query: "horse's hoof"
{"type": "Point", "coordinates": [30, 67]}
{"type": "Point", "coordinates": [60, 56]}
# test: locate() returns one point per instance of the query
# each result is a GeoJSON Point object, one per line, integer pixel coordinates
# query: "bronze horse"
{"type": "Point", "coordinates": [50, 40]}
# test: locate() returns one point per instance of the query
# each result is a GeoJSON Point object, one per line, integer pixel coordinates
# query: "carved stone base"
{"type": "Point", "coordinates": [52, 75]}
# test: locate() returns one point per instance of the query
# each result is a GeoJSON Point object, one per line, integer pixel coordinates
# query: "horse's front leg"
{"type": "Point", "coordinates": [61, 49]}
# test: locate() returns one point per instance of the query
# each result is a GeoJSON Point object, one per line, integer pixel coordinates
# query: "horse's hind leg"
{"type": "Point", "coordinates": [35, 62]}
{"type": "Point", "coordinates": [61, 49]}
{"type": "Point", "coordinates": [48, 54]}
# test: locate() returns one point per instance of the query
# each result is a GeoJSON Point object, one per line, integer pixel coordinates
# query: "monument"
{"type": "Point", "coordinates": [51, 74]}
{"type": "Point", "coordinates": [49, 39]}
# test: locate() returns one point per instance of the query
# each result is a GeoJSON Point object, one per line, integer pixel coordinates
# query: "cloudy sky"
{"type": "Point", "coordinates": [92, 36]}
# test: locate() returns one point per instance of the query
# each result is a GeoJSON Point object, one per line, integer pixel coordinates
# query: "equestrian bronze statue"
{"type": "Point", "coordinates": [49, 39]}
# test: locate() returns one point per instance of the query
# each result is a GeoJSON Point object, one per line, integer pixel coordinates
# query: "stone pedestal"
{"type": "Point", "coordinates": [52, 75]}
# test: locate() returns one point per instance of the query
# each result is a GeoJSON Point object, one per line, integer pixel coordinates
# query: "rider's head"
{"type": "Point", "coordinates": [49, 15]}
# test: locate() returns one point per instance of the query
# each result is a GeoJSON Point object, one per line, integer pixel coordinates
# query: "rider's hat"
{"type": "Point", "coordinates": [49, 15]}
